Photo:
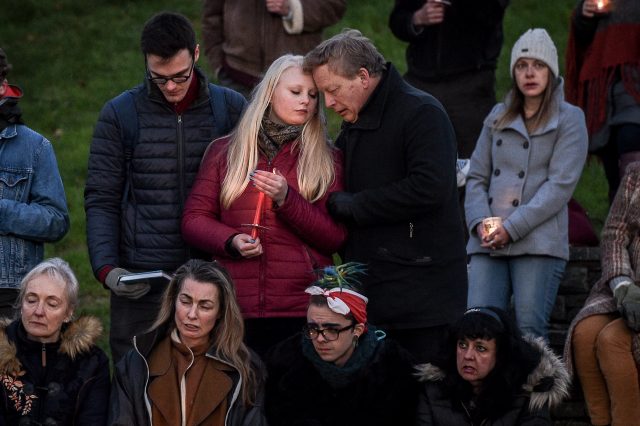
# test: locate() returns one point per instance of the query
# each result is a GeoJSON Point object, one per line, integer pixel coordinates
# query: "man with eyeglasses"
{"type": "Point", "coordinates": [145, 153]}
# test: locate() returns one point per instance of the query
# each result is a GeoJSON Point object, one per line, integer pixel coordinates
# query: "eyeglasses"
{"type": "Point", "coordinates": [177, 79]}
{"type": "Point", "coordinates": [329, 334]}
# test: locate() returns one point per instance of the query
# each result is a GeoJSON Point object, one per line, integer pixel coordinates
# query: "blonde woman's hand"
{"type": "Point", "coordinates": [274, 185]}
{"type": "Point", "coordinates": [247, 246]}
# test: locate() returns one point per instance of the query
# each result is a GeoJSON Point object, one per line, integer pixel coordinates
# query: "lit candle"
{"type": "Point", "coordinates": [601, 4]}
{"type": "Point", "coordinates": [256, 218]}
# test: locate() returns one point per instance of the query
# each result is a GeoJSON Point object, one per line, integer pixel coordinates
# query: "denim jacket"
{"type": "Point", "coordinates": [33, 206]}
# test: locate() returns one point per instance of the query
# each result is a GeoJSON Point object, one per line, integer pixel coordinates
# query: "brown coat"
{"type": "Point", "coordinates": [205, 407]}
{"type": "Point", "coordinates": [620, 255]}
{"type": "Point", "coordinates": [249, 38]}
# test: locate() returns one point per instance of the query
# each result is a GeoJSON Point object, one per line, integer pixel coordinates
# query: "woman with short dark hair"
{"type": "Point", "coordinates": [489, 374]}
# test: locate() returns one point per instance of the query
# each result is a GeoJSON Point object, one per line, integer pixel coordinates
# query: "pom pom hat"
{"type": "Point", "coordinates": [536, 44]}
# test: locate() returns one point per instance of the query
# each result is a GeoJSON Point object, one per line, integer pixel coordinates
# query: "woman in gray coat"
{"type": "Point", "coordinates": [524, 169]}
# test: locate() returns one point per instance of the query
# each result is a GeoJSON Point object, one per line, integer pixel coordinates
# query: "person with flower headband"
{"type": "Point", "coordinates": [340, 370]}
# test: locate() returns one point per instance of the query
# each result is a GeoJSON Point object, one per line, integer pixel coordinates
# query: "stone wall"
{"type": "Point", "coordinates": [583, 270]}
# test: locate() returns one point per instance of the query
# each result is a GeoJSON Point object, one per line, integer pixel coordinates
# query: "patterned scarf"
{"type": "Point", "coordinates": [592, 66]}
{"type": "Point", "coordinates": [273, 136]}
{"type": "Point", "coordinates": [339, 377]}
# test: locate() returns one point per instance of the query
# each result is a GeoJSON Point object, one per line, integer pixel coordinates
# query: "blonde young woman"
{"type": "Point", "coordinates": [524, 169]}
{"type": "Point", "coordinates": [192, 367]}
{"type": "Point", "coordinates": [279, 149]}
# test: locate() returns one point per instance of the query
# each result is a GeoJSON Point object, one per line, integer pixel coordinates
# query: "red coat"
{"type": "Point", "coordinates": [301, 236]}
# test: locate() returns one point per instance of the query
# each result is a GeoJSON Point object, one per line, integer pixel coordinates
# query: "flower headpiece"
{"type": "Point", "coordinates": [339, 285]}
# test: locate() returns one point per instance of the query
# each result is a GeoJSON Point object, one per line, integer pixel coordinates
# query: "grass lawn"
{"type": "Point", "coordinates": [71, 56]}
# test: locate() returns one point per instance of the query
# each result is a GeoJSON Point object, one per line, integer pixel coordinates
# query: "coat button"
{"type": "Point", "coordinates": [526, 145]}
{"type": "Point", "coordinates": [490, 200]}
{"type": "Point", "coordinates": [499, 142]}
{"type": "Point", "coordinates": [496, 172]}
{"type": "Point", "coordinates": [515, 203]}
{"type": "Point", "coordinates": [521, 174]}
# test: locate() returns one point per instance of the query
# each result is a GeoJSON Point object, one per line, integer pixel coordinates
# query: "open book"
{"type": "Point", "coordinates": [151, 277]}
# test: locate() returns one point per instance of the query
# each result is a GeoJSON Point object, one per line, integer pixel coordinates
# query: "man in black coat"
{"type": "Point", "coordinates": [145, 153]}
{"type": "Point", "coordinates": [401, 201]}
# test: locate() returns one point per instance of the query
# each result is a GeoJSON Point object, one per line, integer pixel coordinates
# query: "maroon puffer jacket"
{"type": "Point", "coordinates": [301, 236]}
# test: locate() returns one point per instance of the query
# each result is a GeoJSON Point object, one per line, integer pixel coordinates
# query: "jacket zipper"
{"type": "Point", "coordinates": [263, 263]}
{"type": "Point", "coordinates": [181, 178]}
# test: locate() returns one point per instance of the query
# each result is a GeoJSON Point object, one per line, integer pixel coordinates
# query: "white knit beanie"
{"type": "Point", "coordinates": [536, 44]}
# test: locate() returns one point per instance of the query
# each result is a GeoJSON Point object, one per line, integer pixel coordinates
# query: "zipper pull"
{"type": "Point", "coordinates": [44, 355]}
{"type": "Point", "coordinates": [410, 229]}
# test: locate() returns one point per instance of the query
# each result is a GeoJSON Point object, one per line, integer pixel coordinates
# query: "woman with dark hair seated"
{"type": "Point", "coordinates": [490, 375]}
{"type": "Point", "coordinates": [192, 367]}
{"type": "Point", "coordinates": [340, 370]}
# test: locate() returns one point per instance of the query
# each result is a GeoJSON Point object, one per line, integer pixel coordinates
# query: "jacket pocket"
{"type": "Point", "coordinates": [14, 184]}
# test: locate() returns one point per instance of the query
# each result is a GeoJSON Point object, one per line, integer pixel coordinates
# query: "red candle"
{"type": "Point", "coordinates": [257, 216]}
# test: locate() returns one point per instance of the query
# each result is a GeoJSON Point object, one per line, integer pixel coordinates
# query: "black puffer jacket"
{"type": "Point", "coordinates": [140, 230]}
{"type": "Point", "coordinates": [73, 387]}
{"type": "Point", "coordinates": [545, 387]}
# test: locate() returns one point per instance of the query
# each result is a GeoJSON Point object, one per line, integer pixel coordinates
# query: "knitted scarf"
{"type": "Point", "coordinates": [592, 67]}
{"type": "Point", "coordinates": [272, 136]}
{"type": "Point", "coordinates": [339, 377]}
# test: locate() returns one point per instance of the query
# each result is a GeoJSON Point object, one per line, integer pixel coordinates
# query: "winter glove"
{"type": "Point", "coordinates": [627, 296]}
{"type": "Point", "coordinates": [131, 291]}
{"type": "Point", "coordinates": [340, 206]}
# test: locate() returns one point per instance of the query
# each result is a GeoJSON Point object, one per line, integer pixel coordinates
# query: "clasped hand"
{"type": "Point", "coordinates": [495, 240]}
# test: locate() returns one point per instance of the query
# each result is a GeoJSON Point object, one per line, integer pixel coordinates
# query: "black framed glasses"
{"type": "Point", "coordinates": [177, 79]}
{"type": "Point", "coordinates": [329, 334]}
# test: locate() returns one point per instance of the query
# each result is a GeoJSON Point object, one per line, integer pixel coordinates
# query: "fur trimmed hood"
{"type": "Point", "coordinates": [548, 383]}
{"type": "Point", "coordinates": [77, 337]}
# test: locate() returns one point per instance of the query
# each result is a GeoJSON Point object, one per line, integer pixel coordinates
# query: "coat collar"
{"type": "Point", "coordinates": [76, 338]}
{"type": "Point", "coordinates": [548, 383]}
{"type": "Point", "coordinates": [9, 132]}
{"type": "Point", "coordinates": [370, 116]}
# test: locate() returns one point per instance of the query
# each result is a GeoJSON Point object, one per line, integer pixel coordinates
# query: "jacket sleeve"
{"type": "Point", "coordinates": [311, 221]}
{"type": "Point", "coordinates": [95, 404]}
{"type": "Point", "coordinates": [424, 412]}
{"type": "Point", "coordinates": [123, 410]}
{"type": "Point", "coordinates": [621, 228]}
{"type": "Point", "coordinates": [213, 32]}
{"type": "Point", "coordinates": [103, 191]}
{"type": "Point", "coordinates": [476, 203]}
{"type": "Point", "coordinates": [429, 150]}
{"type": "Point", "coordinates": [201, 225]}
{"type": "Point", "coordinates": [42, 215]}
{"type": "Point", "coordinates": [318, 15]}
{"type": "Point", "coordinates": [564, 170]}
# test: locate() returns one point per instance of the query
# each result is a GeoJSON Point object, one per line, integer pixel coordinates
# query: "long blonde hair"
{"type": "Point", "coordinates": [315, 169]}
{"type": "Point", "coordinates": [228, 334]}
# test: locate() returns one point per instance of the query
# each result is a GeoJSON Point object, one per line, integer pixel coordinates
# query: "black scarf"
{"type": "Point", "coordinates": [273, 136]}
{"type": "Point", "coordinates": [339, 377]}
{"type": "Point", "coordinates": [9, 112]}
